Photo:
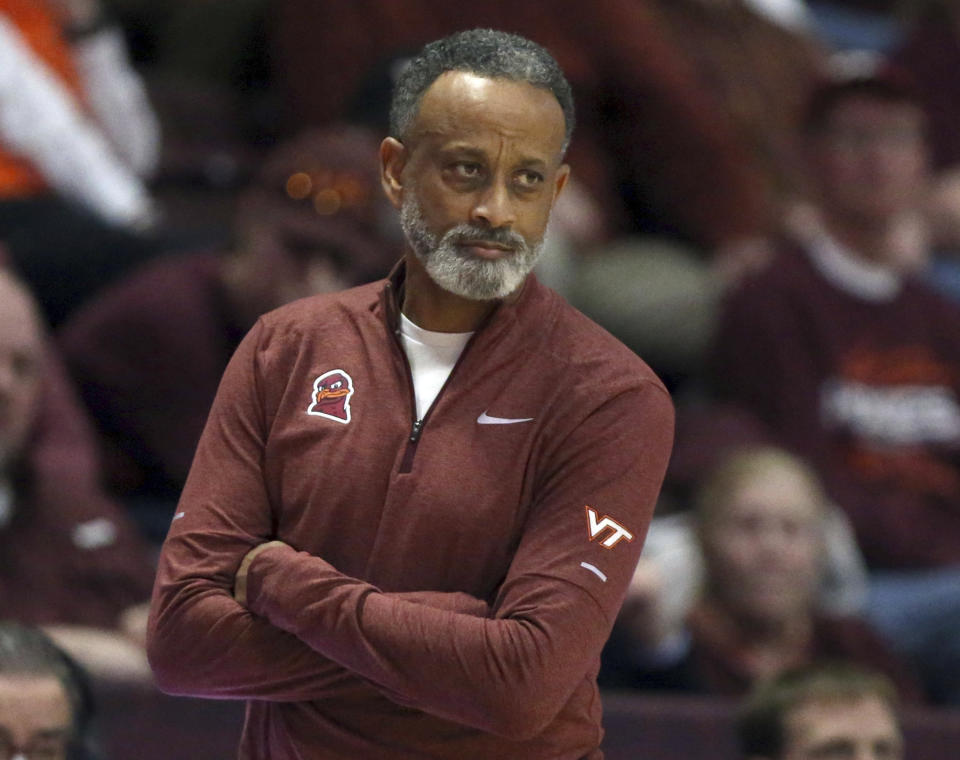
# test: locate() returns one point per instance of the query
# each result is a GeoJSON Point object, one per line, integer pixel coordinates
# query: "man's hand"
{"type": "Point", "coordinates": [240, 580]}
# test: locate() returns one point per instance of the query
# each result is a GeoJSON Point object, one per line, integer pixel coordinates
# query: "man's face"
{"type": "Point", "coordinates": [870, 159]}
{"type": "Point", "coordinates": [838, 730]}
{"type": "Point", "coordinates": [763, 546]}
{"type": "Point", "coordinates": [35, 717]}
{"type": "Point", "coordinates": [21, 346]}
{"type": "Point", "coordinates": [476, 179]}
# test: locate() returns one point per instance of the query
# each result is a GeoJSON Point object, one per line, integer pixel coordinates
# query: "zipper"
{"type": "Point", "coordinates": [407, 464]}
{"type": "Point", "coordinates": [416, 430]}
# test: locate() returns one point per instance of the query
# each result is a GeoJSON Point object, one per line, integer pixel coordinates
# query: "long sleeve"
{"type": "Point", "coordinates": [200, 641]}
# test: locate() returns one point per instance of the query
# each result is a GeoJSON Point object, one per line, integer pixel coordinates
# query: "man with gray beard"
{"type": "Point", "coordinates": [417, 504]}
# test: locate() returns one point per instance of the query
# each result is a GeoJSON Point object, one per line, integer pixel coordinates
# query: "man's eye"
{"type": "Point", "coordinates": [467, 170]}
{"type": "Point", "coordinates": [529, 179]}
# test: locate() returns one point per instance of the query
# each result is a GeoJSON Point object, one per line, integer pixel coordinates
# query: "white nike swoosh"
{"type": "Point", "coordinates": [486, 419]}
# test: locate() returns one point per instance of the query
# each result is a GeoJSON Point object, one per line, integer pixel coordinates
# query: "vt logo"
{"type": "Point", "coordinates": [331, 396]}
{"type": "Point", "coordinates": [595, 528]}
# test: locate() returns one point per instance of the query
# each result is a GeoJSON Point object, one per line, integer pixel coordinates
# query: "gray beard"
{"type": "Point", "coordinates": [456, 271]}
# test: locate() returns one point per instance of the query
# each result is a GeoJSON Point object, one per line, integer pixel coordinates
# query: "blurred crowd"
{"type": "Point", "coordinates": [765, 205]}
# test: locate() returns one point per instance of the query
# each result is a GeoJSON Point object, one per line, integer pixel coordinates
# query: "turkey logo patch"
{"type": "Point", "coordinates": [331, 396]}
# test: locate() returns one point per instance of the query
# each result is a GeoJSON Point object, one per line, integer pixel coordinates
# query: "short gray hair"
{"type": "Point", "coordinates": [484, 52]}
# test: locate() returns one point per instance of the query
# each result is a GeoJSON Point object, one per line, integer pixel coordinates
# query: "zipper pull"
{"type": "Point", "coordinates": [415, 433]}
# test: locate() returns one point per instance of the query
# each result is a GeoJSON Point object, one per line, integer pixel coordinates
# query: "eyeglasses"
{"type": "Point", "coordinates": [52, 745]}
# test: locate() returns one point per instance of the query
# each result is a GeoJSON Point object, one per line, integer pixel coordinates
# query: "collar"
{"type": "Point", "coordinates": [391, 299]}
{"type": "Point", "coordinates": [850, 273]}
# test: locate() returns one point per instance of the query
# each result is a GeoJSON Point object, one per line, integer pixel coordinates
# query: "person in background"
{"type": "Point", "coordinates": [148, 352]}
{"type": "Point", "coordinates": [855, 364]}
{"type": "Point", "coordinates": [761, 519]}
{"type": "Point", "coordinates": [78, 139]}
{"type": "Point", "coordinates": [45, 703]}
{"type": "Point", "coordinates": [70, 559]}
{"type": "Point", "coordinates": [829, 711]}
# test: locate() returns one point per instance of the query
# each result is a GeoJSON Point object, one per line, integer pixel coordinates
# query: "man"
{"type": "Point", "coordinates": [416, 505]}
{"type": "Point", "coordinates": [762, 529]}
{"type": "Point", "coordinates": [855, 364]}
{"type": "Point", "coordinates": [835, 711]}
{"type": "Point", "coordinates": [44, 698]}
{"type": "Point", "coordinates": [147, 354]}
{"type": "Point", "coordinates": [71, 561]}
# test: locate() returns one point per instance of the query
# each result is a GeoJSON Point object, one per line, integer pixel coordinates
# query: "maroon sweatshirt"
{"type": "Point", "coordinates": [867, 390]}
{"type": "Point", "coordinates": [452, 580]}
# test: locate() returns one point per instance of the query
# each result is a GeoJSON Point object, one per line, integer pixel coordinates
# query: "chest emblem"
{"type": "Point", "coordinates": [331, 396]}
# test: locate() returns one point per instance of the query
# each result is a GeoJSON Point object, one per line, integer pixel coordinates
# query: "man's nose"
{"type": "Point", "coordinates": [495, 207]}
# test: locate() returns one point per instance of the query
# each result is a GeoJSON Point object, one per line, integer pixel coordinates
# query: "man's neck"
{"type": "Point", "coordinates": [431, 307]}
{"type": "Point", "coordinates": [870, 241]}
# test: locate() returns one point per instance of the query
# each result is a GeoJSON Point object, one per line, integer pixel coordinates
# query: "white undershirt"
{"type": "Point", "coordinates": [431, 356]}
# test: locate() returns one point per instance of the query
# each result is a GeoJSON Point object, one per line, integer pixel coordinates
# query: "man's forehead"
{"type": "Point", "coordinates": [462, 108]}
{"type": "Point", "coordinates": [819, 718]}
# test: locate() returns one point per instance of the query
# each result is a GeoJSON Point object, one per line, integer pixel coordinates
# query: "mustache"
{"type": "Point", "coordinates": [467, 233]}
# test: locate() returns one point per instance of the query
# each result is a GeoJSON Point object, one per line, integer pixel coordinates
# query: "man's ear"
{"type": "Point", "coordinates": [560, 182]}
{"type": "Point", "coordinates": [393, 157]}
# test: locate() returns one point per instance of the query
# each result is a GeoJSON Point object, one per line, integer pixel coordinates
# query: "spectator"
{"type": "Point", "coordinates": [761, 520]}
{"type": "Point", "coordinates": [830, 711]}
{"type": "Point", "coordinates": [77, 137]}
{"type": "Point", "coordinates": [69, 560]}
{"type": "Point", "coordinates": [148, 353]}
{"type": "Point", "coordinates": [855, 364]}
{"type": "Point", "coordinates": [45, 703]}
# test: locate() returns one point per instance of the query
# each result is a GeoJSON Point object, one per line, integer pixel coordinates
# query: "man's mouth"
{"type": "Point", "coordinates": [486, 249]}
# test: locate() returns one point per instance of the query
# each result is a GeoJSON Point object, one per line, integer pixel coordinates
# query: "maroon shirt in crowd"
{"type": "Point", "coordinates": [867, 389]}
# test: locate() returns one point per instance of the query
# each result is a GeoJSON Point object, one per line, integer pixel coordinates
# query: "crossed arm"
{"type": "Point", "coordinates": [306, 631]}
